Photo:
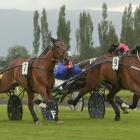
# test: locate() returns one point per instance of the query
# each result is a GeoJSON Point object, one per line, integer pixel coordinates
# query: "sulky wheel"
{"type": "Point", "coordinates": [47, 113]}
{"type": "Point", "coordinates": [14, 108]}
{"type": "Point", "coordinates": [96, 106]}
{"type": "Point", "coordinates": [80, 105]}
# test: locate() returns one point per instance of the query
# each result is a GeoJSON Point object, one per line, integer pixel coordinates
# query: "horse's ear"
{"type": "Point", "coordinates": [53, 41]}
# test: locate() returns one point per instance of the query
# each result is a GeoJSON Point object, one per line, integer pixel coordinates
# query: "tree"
{"type": "Point", "coordinates": [137, 26]}
{"type": "Point", "coordinates": [36, 31]}
{"type": "Point", "coordinates": [127, 31]}
{"type": "Point", "coordinates": [84, 36]}
{"type": "Point", "coordinates": [15, 52]}
{"type": "Point", "coordinates": [103, 30]}
{"type": "Point", "coordinates": [3, 62]}
{"type": "Point", "coordinates": [44, 30]}
{"type": "Point", "coordinates": [106, 31]}
{"type": "Point", "coordinates": [112, 36]}
{"type": "Point", "coordinates": [77, 35]}
{"type": "Point", "coordinates": [63, 29]}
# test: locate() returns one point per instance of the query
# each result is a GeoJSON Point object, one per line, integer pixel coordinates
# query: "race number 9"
{"type": "Point", "coordinates": [115, 63]}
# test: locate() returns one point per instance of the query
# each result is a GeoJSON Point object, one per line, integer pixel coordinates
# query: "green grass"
{"type": "Point", "coordinates": [125, 94]}
{"type": "Point", "coordinates": [77, 126]}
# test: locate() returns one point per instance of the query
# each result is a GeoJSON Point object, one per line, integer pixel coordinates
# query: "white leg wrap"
{"type": "Point", "coordinates": [42, 105]}
{"type": "Point", "coordinates": [124, 105]}
{"type": "Point", "coordinates": [53, 112]}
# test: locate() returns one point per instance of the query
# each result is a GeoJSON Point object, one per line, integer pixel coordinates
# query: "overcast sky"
{"type": "Point", "coordinates": [114, 5]}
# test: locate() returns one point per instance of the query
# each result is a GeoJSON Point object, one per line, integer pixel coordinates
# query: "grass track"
{"type": "Point", "coordinates": [77, 126]}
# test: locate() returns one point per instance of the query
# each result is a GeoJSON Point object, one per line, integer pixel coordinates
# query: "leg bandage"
{"type": "Point", "coordinates": [124, 105]}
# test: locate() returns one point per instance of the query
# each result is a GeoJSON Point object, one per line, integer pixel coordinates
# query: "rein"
{"type": "Point", "coordinates": [6, 69]}
{"type": "Point", "coordinates": [31, 58]}
{"type": "Point", "coordinates": [71, 80]}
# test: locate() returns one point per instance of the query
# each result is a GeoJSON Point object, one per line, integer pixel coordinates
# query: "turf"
{"type": "Point", "coordinates": [77, 126]}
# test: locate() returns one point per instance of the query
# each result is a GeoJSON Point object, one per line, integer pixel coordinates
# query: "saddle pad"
{"type": "Point", "coordinates": [115, 63]}
{"type": "Point", "coordinates": [25, 66]}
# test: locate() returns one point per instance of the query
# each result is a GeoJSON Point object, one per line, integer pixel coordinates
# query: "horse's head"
{"type": "Point", "coordinates": [113, 49]}
{"type": "Point", "coordinates": [59, 50]}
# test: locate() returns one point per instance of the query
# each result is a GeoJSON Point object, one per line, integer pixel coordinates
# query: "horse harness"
{"type": "Point", "coordinates": [119, 81]}
{"type": "Point", "coordinates": [28, 76]}
{"type": "Point", "coordinates": [30, 68]}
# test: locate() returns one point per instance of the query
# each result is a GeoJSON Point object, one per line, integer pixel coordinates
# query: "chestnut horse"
{"type": "Point", "coordinates": [40, 77]}
{"type": "Point", "coordinates": [126, 77]}
{"type": "Point", "coordinates": [115, 51]}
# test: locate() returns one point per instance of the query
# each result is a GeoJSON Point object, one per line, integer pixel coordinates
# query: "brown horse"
{"type": "Point", "coordinates": [40, 77]}
{"type": "Point", "coordinates": [114, 50]}
{"type": "Point", "coordinates": [126, 77]}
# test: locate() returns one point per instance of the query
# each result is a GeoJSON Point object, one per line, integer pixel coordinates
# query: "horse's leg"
{"type": "Point", "coordinates": [91, 83]}
{"type": "Point", "coordinates": [135, 102]}
{"type": "Point", "coordinates": [89, 87]}
{"type": "Point", "coordinates": [50, 104]}
{"type": "Point", "coordinates": [46, 94]}
{"type": "Point", "coordinates": [110, 97]}
{"type": "Point", "coordinates": [136, 96]}
{"type": "Point", "coordinates": [31, 108]}
{"type": "Point", "coordinates": [136, 89]}
{"type": "Point", "coordinates": [82, 92]}
{"type": "Point", "coordinates": [122, 104]}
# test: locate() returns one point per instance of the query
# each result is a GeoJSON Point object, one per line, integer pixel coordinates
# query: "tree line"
{"type": "Point", "coordinates": [130, 33]}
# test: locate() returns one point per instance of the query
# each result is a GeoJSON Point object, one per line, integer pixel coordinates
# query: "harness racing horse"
{"type": "Point", "coordinates": [115, 51]}
{"type": "Point", "coordinates": [40, 77]}
{"type": "Point", "coordinates": [126, 77]}
{"type": "Point", "coordinates": [136, 97]}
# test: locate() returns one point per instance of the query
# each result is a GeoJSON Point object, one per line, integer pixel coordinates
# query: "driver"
{"type": "Point", "coordinates": [118, 49]}
{"type": "Point", "coordinates": [123, 48]}
{"type": "Point", "coordinates": [64, 71]}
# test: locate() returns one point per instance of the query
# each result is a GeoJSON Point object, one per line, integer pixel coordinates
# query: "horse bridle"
{"type": "Point", "coordinates": [60, 58]}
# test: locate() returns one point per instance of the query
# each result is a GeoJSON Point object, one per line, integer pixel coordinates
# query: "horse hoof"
{"type": "Point", "coordinates": [59, 122]}
{"type": "Point", "coordinates": [38, 122]}
{"type": "Point", "coordinates": [117, 118]}
{"type": "Point", "coordinates": [125, 111]}
{"type": "Point", "coordinates": [42, 105]}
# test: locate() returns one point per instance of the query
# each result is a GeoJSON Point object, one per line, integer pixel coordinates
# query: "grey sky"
{"type": "Point", "coordinates": [114, 5]}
